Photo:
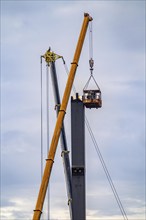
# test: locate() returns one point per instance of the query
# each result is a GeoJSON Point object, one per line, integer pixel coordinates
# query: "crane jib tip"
{"type": "Point", "coordinates": [87, 15]}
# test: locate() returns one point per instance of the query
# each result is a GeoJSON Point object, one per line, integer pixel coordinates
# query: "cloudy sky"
{"type": "Point", "coordinates": [28, 28]}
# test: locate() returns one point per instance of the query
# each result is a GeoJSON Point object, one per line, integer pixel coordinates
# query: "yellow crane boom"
{"type": "Point", "coordinates": [57, 130]}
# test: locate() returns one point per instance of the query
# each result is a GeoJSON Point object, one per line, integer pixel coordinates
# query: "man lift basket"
{"type": "Point", "coordinates": [92, 97]}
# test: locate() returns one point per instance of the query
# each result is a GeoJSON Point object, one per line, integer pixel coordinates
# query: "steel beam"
{"type": "Point", "coordinates": [78, 158]}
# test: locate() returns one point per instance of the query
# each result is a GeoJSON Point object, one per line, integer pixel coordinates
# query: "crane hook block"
{"type": "Point", "coordinates": [91, 62]}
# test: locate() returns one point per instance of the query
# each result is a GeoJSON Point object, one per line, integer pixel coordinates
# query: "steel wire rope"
{"type": "Point", "coordinates": [87, 84]}
{"type": "Point", "coordinates": [41, 117]}
{"type": "Point", "coordinates": [67, 71]}
{"type": "Point", "coordinates": [106, 170]}
{"type": "Point", "coordinates": [90, 41]}
{"type": "Point", "coordinates": [102, 161]}
{"type": "Point", "coordinates": [47, 117]}
{"type": "Point", "coordinates": [41, 120]}
{"type": "Point", "coordinates": [91, 61]}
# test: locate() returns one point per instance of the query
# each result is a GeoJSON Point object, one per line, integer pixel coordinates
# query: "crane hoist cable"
{"type": "Point", "coordinates": [41, 108]}
{"type": "Point", "coordinates": [41, 116]}
{"type": "Point", "coordinates": [48, 141]}
{"type": "Point", "coordinates": [47, 121]}
{"type": "Point", "coordinates": [91, 97]}
{"type": "Point", "coordinates": [115, 193]}
{"type": "Point", "coordinates": [91, 61]}
{"type": "Point", "coordinates": [90, 41]}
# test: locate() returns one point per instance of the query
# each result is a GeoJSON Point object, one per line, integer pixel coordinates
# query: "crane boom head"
{"type": "Point", "coordinates": [87, 15]}
{"type": "Point", "coordinates": [50, 56]}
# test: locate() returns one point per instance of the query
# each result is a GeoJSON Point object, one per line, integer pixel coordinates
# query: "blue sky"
{"type": "Point", "coordinates": [28, 28]}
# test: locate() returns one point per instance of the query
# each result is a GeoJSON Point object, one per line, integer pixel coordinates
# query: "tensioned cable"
{"type": "Point", "coordinates": [41, 119]}
{"type": "Point", "coordinates": [91, 61]}
{"type": "Point", "coordinates": [67, 71]}
{"type": "Point", "coordinates": [90, 41]}
{"type": "Point", "coordinates": [102, 160]}
{"type": "Point", "coordinates": [87, 84]}
{"type": "Point", "coordinates": [47, 114]}
{"type": "Point", "coordinates": [106, 170]}
{"type": "Point", "coordinates": [41, 88]}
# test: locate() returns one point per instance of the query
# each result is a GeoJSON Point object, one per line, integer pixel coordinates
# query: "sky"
{"type": "Point", "coordinates": [28, 28]}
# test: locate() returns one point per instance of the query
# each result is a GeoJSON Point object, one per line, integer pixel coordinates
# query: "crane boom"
{"type": "Point", "coordinates": [64, 147]}
{"type": "Point", "coordinates": [58, 127]}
